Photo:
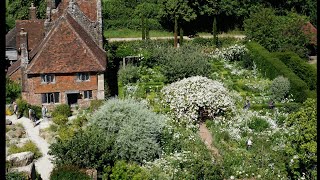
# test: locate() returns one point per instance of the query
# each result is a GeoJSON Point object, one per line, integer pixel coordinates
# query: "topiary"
{"type": "Point", "coordinates": [68, 172]}
{"type": "Point", "coordinates": [280, 88]}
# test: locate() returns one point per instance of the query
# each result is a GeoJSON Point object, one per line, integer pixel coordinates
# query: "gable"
{"type": "Point", "coordinates": [35, 30]}
{"type": "Point", "coordinates": [65, 51]}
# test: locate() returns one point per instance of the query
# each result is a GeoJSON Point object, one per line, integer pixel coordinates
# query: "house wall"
{"type": "Point", "coordinates": [63, 83]}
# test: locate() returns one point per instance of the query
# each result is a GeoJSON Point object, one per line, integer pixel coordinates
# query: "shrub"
{"type": "Point", "coordinates": [16, 176]}
{"type": "Point", "coordinates": [22, 107]}
{"type": "Point", "coordinates": [60, 119]}
{"type": "Point", "coordinates": [280, 88]}
{"type": "Point", "coordinates": [123, 171]}
{"type": "Point", "coordinates": [65, 133]}
{"type": "Point", "coordinates": [62, 109]}
{"type": "Point", "coordinates": [68, 172]}
{"type": "Point", "coordinates": [231, 53]}
{"type": "Point", "coordinates": [301, 68]}
{"type": "Point", "coordinates": [128, 74]}
{"type": "Point", "coordinates": [188, 97]}
{"type": "Point", "coordinates": [37, 110]}
{"type": "Point", "coordinates": [95, 104]}
{"type": "Point", "coordinates": [28, 146]}
{"type": "Point", "coordinates": [258, 124]}
{"type": "Point", "coordinates": [90, 148]}
{"type": "Point", "coordinates": [13, 90]}
{"type": "Point", "coordinates": [136, 129]}
{"type": "Point", "coordinates": [183, 62]}
{"type": "Point", "coordinates": [272, 67]}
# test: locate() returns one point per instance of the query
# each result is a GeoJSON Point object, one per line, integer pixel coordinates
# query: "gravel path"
{"type": "Point", "coordinates": [207, 139]}
{"type": "Point", "coordinates": [171, 37]}
{"type": "Point", "coordinates": [43, 165]}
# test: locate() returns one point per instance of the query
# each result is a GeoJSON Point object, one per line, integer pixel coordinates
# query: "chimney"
{"type": "Point", "coordinates": [32, 12]}
{"type": "Point", "coordinates": [52, 4]}
{"type": "Point", "coordinates": [24, 56]}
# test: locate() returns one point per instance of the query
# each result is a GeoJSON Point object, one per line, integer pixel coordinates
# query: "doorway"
{"type": "Point", "coordinates": [72, 98]}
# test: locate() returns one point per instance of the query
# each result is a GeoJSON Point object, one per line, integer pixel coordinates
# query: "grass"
{"type": "Point", "coordinates": [28, 146]}
{"type": "Point", "coordinates": [128, 33]}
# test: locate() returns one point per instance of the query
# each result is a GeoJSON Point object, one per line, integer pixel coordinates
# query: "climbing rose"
{"type": "Point", "coordinates": [186, 97]}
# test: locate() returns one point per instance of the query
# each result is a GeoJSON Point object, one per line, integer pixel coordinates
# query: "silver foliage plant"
{"type": "Point", "coordinates": [231, 53]}
{"type": "Point", "coordinates": [136, 128]}
{"type": "Point", "coordinates": [280, 88]}
{"type": "Point", "coordinates": [186, 97]}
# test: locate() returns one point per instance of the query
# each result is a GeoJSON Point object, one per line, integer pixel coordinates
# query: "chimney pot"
{"type": "Point", "coordinates": [32, 12]}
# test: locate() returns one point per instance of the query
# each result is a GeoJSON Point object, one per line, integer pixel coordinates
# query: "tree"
{"type": "Point", "coordinates": [302, 142]}
{"type": "Point", "coordinates": [145, 11]}
{"type": "Point", "coordinates": [178, 11]}
{"type": "Point", "coordinates": [13, 90]}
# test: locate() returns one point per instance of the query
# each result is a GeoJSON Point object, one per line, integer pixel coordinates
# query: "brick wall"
{"type": "Point", "coordinates": [63, 83]}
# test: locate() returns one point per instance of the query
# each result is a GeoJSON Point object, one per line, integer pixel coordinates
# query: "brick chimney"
{"type": "Point", "coordinates": [32, 12]}
{"type": "Point", "coordinates": [24, 57]}
{"type": "Point", "coordinates": [24, 47]}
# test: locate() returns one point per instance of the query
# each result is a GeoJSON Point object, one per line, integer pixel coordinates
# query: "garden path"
{"type": "Point", "coordinates": [207, 139]}
{"type": "Point", "coordinates": [43, 165]}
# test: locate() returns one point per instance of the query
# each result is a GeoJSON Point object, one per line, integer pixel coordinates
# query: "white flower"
{"type": "Point", "coordinates": [231, 177]}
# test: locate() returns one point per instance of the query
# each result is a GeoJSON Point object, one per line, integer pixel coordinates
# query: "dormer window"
{"type": "Point", "coordinates": [83, 76]}
{"type": "Point", "coordinates": [47, 78]}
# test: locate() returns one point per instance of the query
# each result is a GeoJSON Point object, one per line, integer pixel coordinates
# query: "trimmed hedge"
{"type": "Point", "coordinates": [272, 67]}
{"type": "Point", "coordinates": [301, 68]}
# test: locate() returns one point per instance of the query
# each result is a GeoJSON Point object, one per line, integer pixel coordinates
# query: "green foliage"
{"type": "Point", "coordinates": [128, 74]}
{"type": "Point", "coordinates": [301, 68]}
{"type": "Point", "coordinates": [37, 110]}
{"type": "Point", "coordinates": [62, 109]}
{"type": "Point", "coordinates": [272, 67]}
{"type": "Point", "coordinates": [95, 104]}
{"type": "Point", "coordinates": [277, 33]}
{"type": "Point", "coordinates": [302, 142]}
{"type": "Point", "coordinates": [123, 171]}
{"type": "Point", "coordinates": [13, 90]}
{"type": "Point", "coordinates": [258, 124]}
{"type": "Point", "coordinates": [65, 133]}
{"type": "Point", "coordinates": [183, 62]}
{"type": "Point", "coordinates": [60, 119]}
{"type": "Point", "coordinates": [280, 88]}
{"type": "Point", "coordinates": [68, 172]}
{"type": "Point", "coordinates": [22, 107]}
{"type": "Point", "coordinates": [28, 146]}
{"type": "Point", "coordinates": [16, 176]}
{"type": "Point", "coordinates": [90, 148]}
{"type": "Point", "coordinates": [136, 129]}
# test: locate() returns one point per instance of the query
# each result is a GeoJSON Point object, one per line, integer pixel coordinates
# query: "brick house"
{"type": "Point", "coordinates": [61, 58]}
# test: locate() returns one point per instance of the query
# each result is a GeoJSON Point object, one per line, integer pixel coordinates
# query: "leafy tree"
{"type": "Point", "coordinates": [178, 11]}
{"type": "Point", "coordinates": [277, 33]}
{"type": "Point", "coordinates": [13, 90]}
{"type": "Point", "coordinates": [302, 142]}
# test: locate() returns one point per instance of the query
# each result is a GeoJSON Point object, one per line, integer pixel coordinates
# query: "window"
{"type": "Point", "coordinates": [87, 94]}
{"type": "Point", "coordinates": [82, 76]}
{"type": "Point", "coordinates": [47, 78]}
{"type": "Point", "coordinates": [50, 97]}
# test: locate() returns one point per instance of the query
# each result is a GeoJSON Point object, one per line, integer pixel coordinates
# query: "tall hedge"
{"type": "Point", "coordinates": [301, 68]}
{"type": "Point", "coordinates": [272, 67]}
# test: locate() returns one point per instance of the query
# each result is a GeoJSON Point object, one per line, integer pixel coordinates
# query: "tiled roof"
{"type": "Point", "coordinates": [13, 68]}
{"type": "Point", "coordinates": [35, 30]}
{"type": "Point", "coordinates": [11, 38]}
{"type": "Point", "coordinates": [89, 8]}
{"type": "Point", "coordinates": [67, 49]}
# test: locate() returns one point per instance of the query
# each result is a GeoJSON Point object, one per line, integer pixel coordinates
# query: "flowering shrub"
{"type": "Point", "coordinates": [188, 97]}
{"type": "Point", "coordinates": [232, 53]}
{"type": "Point", "coordinates": [280, 87]}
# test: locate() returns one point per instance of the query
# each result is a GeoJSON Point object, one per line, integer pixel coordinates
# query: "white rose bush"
{"type": "Point", "coordinates": [231, 53]}
{"type": "Point", "coordinates": [188, 96]}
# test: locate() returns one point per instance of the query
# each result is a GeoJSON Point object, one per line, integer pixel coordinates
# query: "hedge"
{"type": "Point", "coordinates": [134, 24]}
{"type": "Point", "coordinates": [272, 67]}
{"type": "Point", "coordinates": [301, 68]}
{"type": "Point", "coordinates": [287, 107]}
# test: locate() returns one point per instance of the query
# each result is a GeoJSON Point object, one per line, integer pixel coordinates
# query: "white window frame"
{"type": "Point", "coordinates": [86, 94]}
{"type": "Point", "coordinates": [51, 98]}
{"type": "Point", "coordinates": [83, 77]}
{"type": "Point", "coordinates": [48, 78]}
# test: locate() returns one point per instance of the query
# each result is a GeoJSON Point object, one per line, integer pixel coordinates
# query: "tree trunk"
{"type": "Point", "coordinates": [143, 28]}
{"type": "Point", "coordinates": [175, 31]}
{"type": "Point", "coordinates": [215, 30]}
{"type": "Point", "coordinates": [181, 36]}
{"type": "Point", "coordinates": [147, 29]}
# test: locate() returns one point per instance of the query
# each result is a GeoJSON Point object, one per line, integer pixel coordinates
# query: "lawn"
{"type": "Point", "coordinates": [128, 33]}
